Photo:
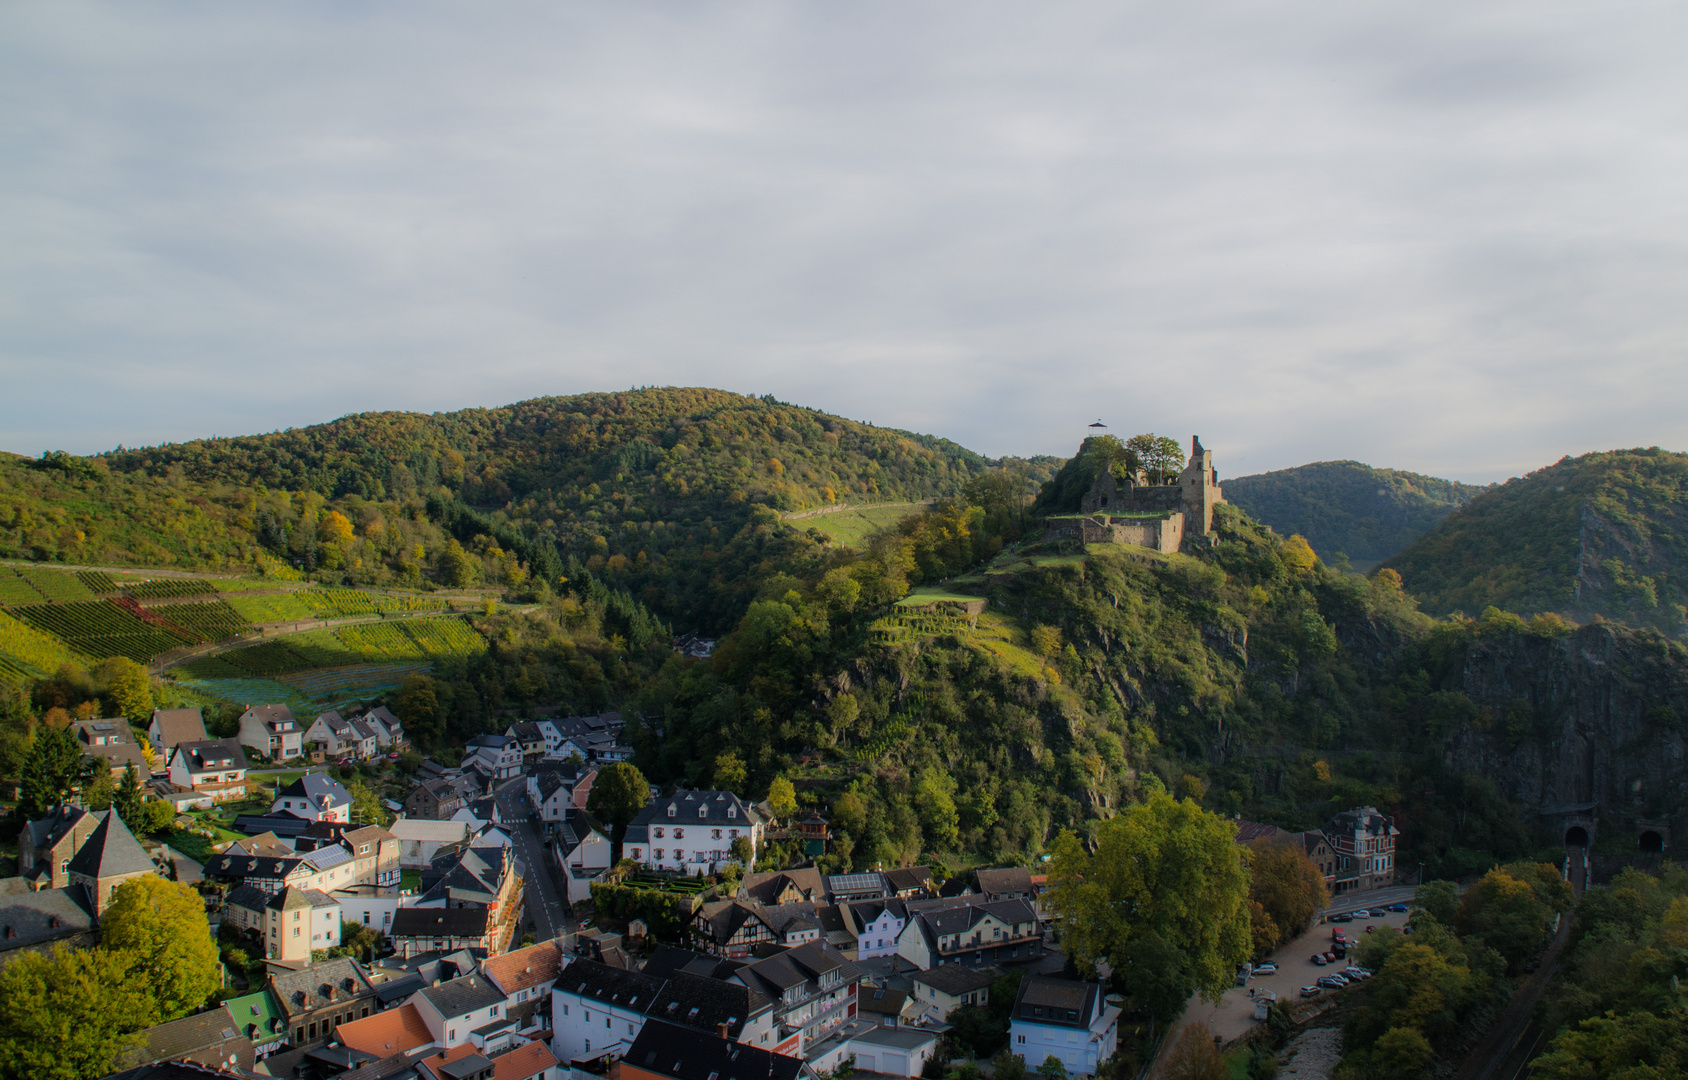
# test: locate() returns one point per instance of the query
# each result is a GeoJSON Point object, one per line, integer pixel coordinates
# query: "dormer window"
{"type": "Point", "coordinates": [672, 809]}
{"type": "Point", "coordinates": [702, 812]}
{"type": "Point", "coordinates": [732, 811]}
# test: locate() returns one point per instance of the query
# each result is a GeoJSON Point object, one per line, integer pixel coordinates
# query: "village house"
{"type": "Point", "coordinates": [468, 1009]}
{"type": "Point", "coordinates": [525, 978]}
{"type": "Point", "coordinates": [46, 846]}
{"type": "Point", "coordinates": [420, 841]}
{"type": "Point", "coordinates": [386, 1033]}
{"type": "Point", "coordinates": [272, 732]}
{"type": "Point", "coordinates": [213, 771]}
{"type": "Point", "coordinates": [418, 930]}
{"type": "Point", "coordinates": [1363, 842]}
{"type": "Point", "coordinates": [299, 921]}
{"type": "Point", "coordinates": [496, 757]}
{"type": "Point", "coordinates": [325, 869]}
{"type": "Point", "coordinates": [389, 732]}
{"type": "Point", "coordinates": [813, 990]}
{"type": "Point", "coordinates": [340, 737]}
{"type": "Point", "coordinates": [530, 738]}
{"type": "Point", "coordinates": [596, 1008]}
{"type": "Point", "coordinates": [797, 886]}
{"type": "Point", "coordinates": [212, 1038]}
{"type": "Point", "coordinates": [876, 924]}
{"type": "Point", "coordinates": [433, 800]}
{"type": "Point", "coordinates": [316, 999]}
{"type": "Point", "coordinates": [969, 930]}
{"type": "Point", "coordinates": [375, 851]}
{"type": "Point", "coordinates": [691, 832]}
{"type": "Point", "coordinates": [1064, 1019]}
{"type": "Point", "coordinates": [315, 797]}
{"type": "Point", "coordinates": [528, 1061]}
{"type": "Point", "coordinates": [113, 744]}
{"type": "Point", "coordinates": [258, 1017]}
{"type": "Point", "coordinates": [737, 928]}
{"type": "Point", "coordinates": [665, 1051]}
{"type": "Point", "coordinates": [169, 728]}
{"type": "Point", "coordinates": [946, 988]}
{"type": "Point", "coordinates": [583, 852]}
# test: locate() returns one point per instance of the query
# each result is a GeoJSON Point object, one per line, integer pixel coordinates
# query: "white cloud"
{"type": "Point", "coordinates": [1429, 236]}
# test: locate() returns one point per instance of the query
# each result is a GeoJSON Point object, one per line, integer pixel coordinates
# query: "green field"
{"type": "Point", "coordinates": [852, 527]}
{"type": "Point", "coordinates": [923, 597]}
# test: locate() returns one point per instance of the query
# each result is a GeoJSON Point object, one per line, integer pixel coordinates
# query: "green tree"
{"type": "Point", "coordinates": [156, 816]}
{"type": "Point", "coordinates": [743, 850]}
{"type": "Point", "coordinates": [1401, 1053]}
{"type": "Point", "coordinates": [366, 805]}
{"type": "Point", "coordinates": [1164, 867]}
{"type": "Point", "coordinates": [418, 706]}
{"type": "Point", "coordinates": [128, 688]}
{"type": "Point", "coordinates": [68, 1014]}
{"type": "Point", "coordinates": [1438, 899]}
{"type": "Point", "coordinates": [618, 793]}
{"type": "Point", "coordinates": [1510, 907]}
{"type": "Point", "coordinates": [849, 814]}
{"type": "Point", "coordinates": [130, 798]}
{"type": "Point", "coordinates": [730, 773]}
{"type": "Point", "coordinates": [1639, 1046]}
{"type": "Point", "coordinates": [51, 772]}
{"type": "Point", "coordinates": [162, 926]}
{"type": "Point", "coordinates": [782, 799]}
{"type": "Point", "coordinates": [1156, 975]}
{"type": "Point", "coordinates": [934, 801]}
{"type": "Point", "coordinates": [1052, 1069]}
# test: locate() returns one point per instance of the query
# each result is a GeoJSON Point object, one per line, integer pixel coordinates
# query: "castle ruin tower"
{"type": "Point", "coordinates": [1200, 491]}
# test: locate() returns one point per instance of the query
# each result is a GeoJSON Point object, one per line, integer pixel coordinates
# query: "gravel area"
{"type": "Point", "coordinates": [1311, 1055]}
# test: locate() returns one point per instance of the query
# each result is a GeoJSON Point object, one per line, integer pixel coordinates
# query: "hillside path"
{"type": "Point", "coordinates": [802, 514]}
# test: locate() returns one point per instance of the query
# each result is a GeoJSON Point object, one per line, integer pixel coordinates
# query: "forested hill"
{"type": "Point", "coordinates": [634, 456]}
{"type": "Point", "coordinates": [1344, 506]}
{"type": "Point", "coordinates": [1602, 534]}
{"type": "Point", "coordinates": [666, 493]}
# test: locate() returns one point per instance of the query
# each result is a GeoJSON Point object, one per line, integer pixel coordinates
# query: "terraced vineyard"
{"type": "Point", "coordinates": [164, 588]}
{"type": "Point", "coordinates": [101, 628]}
{"type": "Point", "coordinates": [26, 651]}
{"type": "Point", "coordinates": [413, 640]}
{"type": "Point", "coordinates": [212, 621]}
{"type": "Point", "coordinates": [15, 590]}
{"type": "Point", "coordinates": [270, 608]}
{"type": "Point", "coordinates": [59, 586]}
{"type": "Point", "coordinates": [98, 581]}
{"type": "Point", "coordinates": [359, 678]}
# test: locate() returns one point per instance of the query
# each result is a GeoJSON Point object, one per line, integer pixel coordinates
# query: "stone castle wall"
{"type": "Point", "coordinates": [1164, 534]}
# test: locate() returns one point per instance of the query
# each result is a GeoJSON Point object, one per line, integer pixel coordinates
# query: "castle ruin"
{"type": "Point", "coordinates": [1127, 509]}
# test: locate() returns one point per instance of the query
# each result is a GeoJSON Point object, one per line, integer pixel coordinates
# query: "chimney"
{"type": "Point", "coordinates": [721, 1030]}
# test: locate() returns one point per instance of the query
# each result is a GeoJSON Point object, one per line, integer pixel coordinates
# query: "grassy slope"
{"type": "Point", "coordinates": [1343, 506]}
{"type": "Point", "coordinates": [1603, 534]}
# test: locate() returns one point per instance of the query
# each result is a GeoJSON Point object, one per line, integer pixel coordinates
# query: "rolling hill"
{"type": "Point", "coordinates": [1603, 534]}
{"type": "Point", "coordinates": [1344, 506]}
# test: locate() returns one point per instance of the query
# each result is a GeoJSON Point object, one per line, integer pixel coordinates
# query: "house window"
{"type": "Point", "coordinates": [679, 834]}
{"type": "Point", "coordinates": [717, 835]}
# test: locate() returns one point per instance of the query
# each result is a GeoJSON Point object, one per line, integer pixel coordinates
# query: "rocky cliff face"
{"type": "Point", "coordinates": [1588, 724]}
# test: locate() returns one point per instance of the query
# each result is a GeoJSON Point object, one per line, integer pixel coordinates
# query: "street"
{"type": "Point", "coordinates": [545, 902]}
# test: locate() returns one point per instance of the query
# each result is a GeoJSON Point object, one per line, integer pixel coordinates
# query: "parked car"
{"type": "Point", "coordinates": [1344, 917]}
{"type": "Point", "coordinates": [393, 756]}
{"type": "Point", "coordinates": [1338, 951]}
{"type": "Point", "coordinates": [1319, 959]}
{"type": "Point", "coordinates": [1362, 913]}
{"type": "Point", "coordinates": [1397, 907]}
{"type": "Point", "coordinates": [1356, 972]}
{"type": "Point", "coordinates": [1311, 991]}
{"type": "Point", "coordinates": [1332, 982]}
{"type": "Point", "coordinates": [1268, 968]}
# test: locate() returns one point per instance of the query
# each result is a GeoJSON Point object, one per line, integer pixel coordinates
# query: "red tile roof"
{"type": "Point", "coordinates": [392, 1032]}
{"type": "Point", "coordinates": [525, 967]}
{"type": "Point", "coordinates": [523, 1062]}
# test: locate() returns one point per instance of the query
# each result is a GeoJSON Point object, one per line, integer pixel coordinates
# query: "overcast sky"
{"type": "Point", "coordinates": [1448, 237]}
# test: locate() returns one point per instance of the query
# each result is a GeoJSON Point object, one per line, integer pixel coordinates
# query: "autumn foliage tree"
{"type": "Point", "coordinates": [1287, 888]}
{"type": "Point", "coordinates": [1194, 1057]}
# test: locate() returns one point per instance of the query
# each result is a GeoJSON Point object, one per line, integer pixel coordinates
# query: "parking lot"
{"type": "Point", "coordinates": [1234, 1015]}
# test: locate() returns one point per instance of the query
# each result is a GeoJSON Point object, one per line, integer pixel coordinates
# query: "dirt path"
{"type": "Point", "coordinates": [841, 509]}
{"type": "Point", "coordinates": [1503, 1037]}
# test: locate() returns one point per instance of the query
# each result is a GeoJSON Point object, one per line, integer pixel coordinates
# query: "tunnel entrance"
{"type": "Point", "coordinates": [1576, 836]}
{"type": "Point", "coordinates": [1652, 841]}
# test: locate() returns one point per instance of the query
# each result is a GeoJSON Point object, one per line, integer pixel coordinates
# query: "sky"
{"type": "Point", "coordinates": [1446, 237]}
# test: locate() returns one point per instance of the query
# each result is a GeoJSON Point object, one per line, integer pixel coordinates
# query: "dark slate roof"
{"type": "Point", "coordinates": [955, 979]}
{"type": "Point", "coordinates": [47, 831]}
{"type": "Point", "coordinates": [35, 918]}
{"type": "Point", "coordinates": [719, 808]}
{"type": "Point", "coordinates": [884, 1002]}
{"type": "Point", "coordinates": [669, 959]}
{"type": "Point", "coordinates": [1361, 819]}
{"type": "Point", "coordinates": [111, 851]}
{"type": "Point", "coordinates": [290, 898]}
{"type": "Point", "coordinates": [316, 787]}
{"type": "Point", "coordinates": [179, 1038]}
{"type": "Point", "coordinates": [212, 755]}
{"type": "Point", "coordinates": [910, 877]}
{"type": "Point", "coordinates": [245, 866]}
{"type": "Point", "coordinates": [767, 886]}
{"type": "Point", "coordinates": [462, 996]}
{"type": "Point", "coordinates": [790, 967]}
{"type": "Point", "coordinates": [298, 991]}
{"type": "Point", "coordinates": [588, 978]}
{"type": "Point", "coordinates": [1064, 1002]}
{"type": "Point", "coordinates": [181, 1070]}
{"type": "Point", "coordinates": [705, 1003]}
{"type": "Point", "coordinates": [686, 1054]}
{"type": "Point", "coordinates": [282, 823]}
{"type": "Point", "coordinates": [439, 922]}
{"type": "Point", "coordinates": [497, 742]}
{"type": "Point", "coordinates": [275, 717]}
{"type": "Point", "coordinates": [997, 881]}
{"type": "Point", "coordinates": [249, 897]}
